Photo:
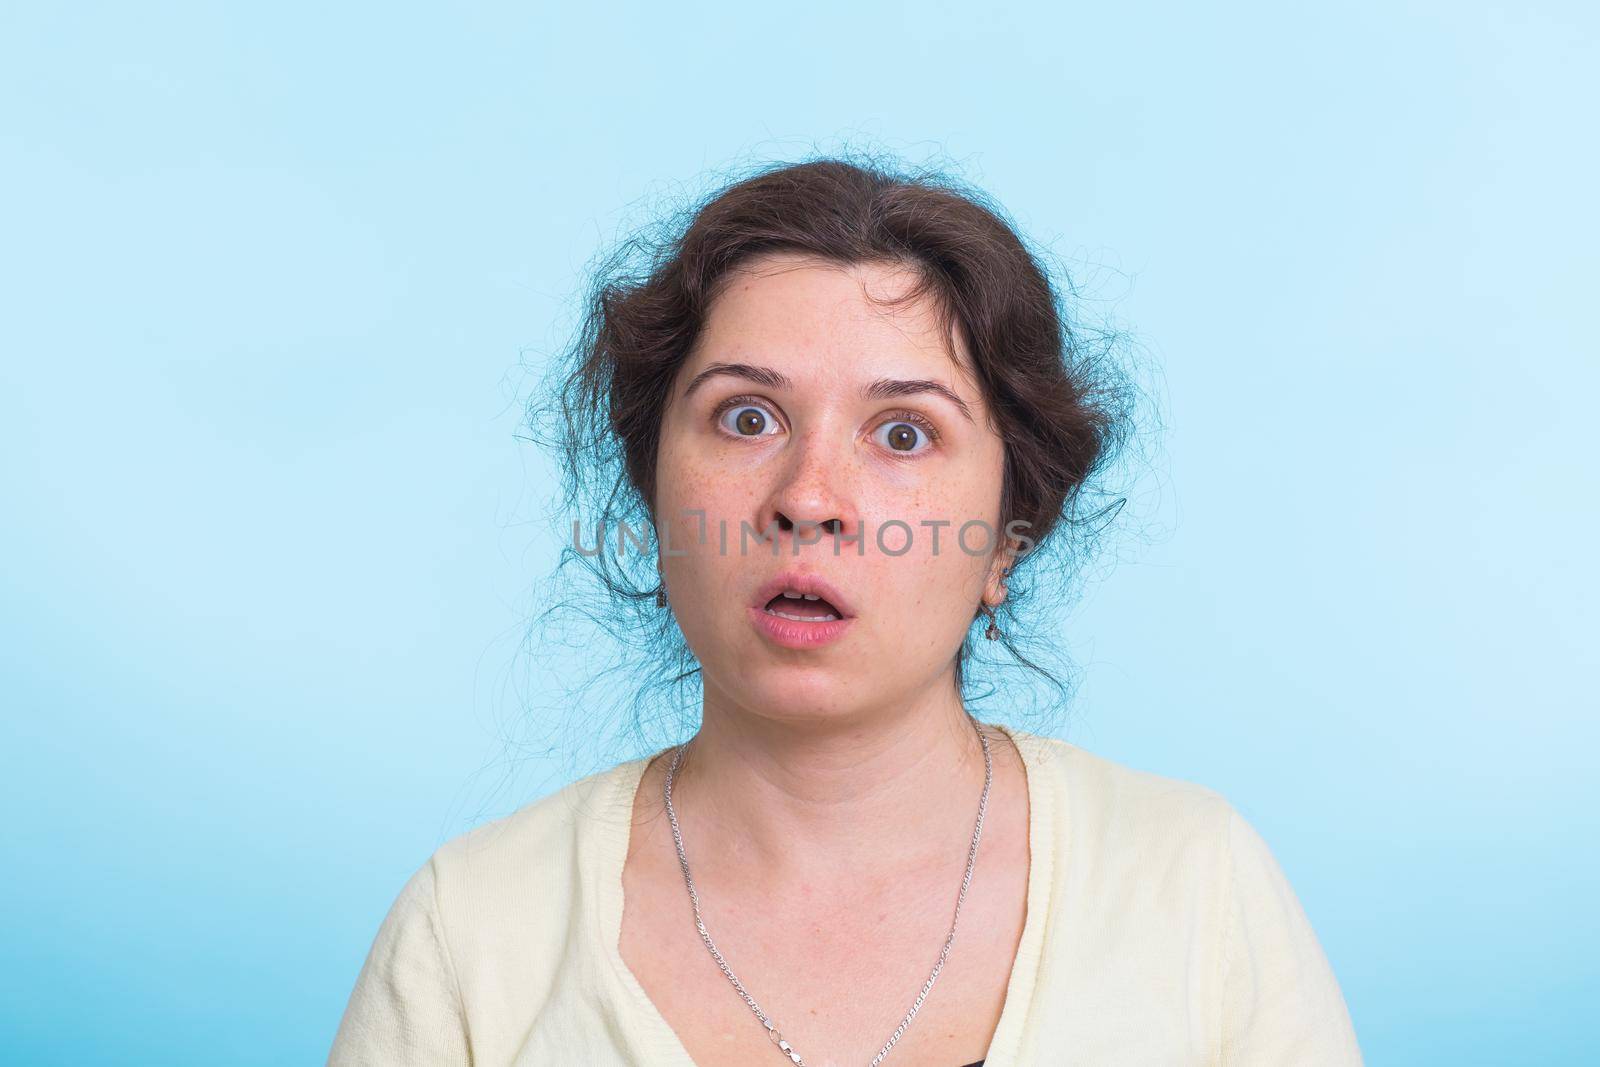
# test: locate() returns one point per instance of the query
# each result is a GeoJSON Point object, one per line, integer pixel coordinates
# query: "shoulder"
{"type": "Point", "coordinates": [1110, 797]}
{"type": "Point", "coordinates": [1160, 868]}
{"type": "Point", "coordinates": [489, 910]}
{"type": "Point", "coordinates": [1127, 837]}
{"type": "Point", "coordinates": [528, 872]}
{"type": "Point", "coordinates": [540, 829]}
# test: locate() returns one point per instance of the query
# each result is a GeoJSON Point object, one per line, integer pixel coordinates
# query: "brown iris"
{"type": "Point", "coordinates": [902, 433]}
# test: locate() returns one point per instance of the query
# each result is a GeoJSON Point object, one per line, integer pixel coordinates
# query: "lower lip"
{"type": "Point", "coordinates": [801, 635]}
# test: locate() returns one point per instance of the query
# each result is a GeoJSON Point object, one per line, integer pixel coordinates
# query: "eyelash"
{"type": "Point", "coordinates": [919, 421]}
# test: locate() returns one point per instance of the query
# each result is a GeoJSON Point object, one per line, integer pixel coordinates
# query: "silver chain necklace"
{"type": "Point", "coordinates": [772, 1030]}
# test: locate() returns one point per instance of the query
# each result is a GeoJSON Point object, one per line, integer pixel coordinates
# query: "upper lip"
{"type": "Point", "coordinates": [798, 582]}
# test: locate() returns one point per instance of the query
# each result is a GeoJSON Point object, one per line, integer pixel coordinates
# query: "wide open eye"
{"type": "Point", "coordinates": [746, 419]}
{"type": "Point", "coordinates": [906, 436]}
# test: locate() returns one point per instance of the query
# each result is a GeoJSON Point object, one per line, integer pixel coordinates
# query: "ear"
{"type": "Point", "coordinates": [1000, 568]}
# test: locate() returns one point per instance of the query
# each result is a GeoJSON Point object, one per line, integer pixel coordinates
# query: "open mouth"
{"type": "Point", "coordinates": [803, 612]}
{"type": "Point", "coordinates": [802, 607]}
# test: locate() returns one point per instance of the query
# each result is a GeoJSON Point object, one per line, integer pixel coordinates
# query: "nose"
{"type": "Point", "coordinates": [812, 498]}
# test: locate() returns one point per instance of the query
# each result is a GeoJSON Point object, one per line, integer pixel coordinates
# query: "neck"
{"type": "Point", "coordinates": [794, 799]}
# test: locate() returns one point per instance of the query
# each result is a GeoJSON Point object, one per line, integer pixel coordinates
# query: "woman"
{"type": "Point", "coordinates": [850, 408]}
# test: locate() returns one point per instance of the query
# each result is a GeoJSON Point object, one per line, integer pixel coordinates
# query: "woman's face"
{"type": "Point", "coordinates": [789, 428]}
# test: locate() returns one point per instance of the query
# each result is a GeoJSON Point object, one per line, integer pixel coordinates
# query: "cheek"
{"type": "Point", "coordinates": [681, 484]}
{"type": "Point", "coordinates": [698, 498]}
{"type": "Point", "coordinates": [922, 608]}
{"type": "Point", "coordinates": [699, 508]}
{"type": "Point", "coordinates": [936, 584]}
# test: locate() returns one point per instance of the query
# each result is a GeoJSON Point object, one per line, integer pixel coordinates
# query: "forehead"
{"type": "Point", "coordinates": [815, 314]}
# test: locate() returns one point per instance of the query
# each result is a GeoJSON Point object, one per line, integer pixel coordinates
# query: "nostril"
{"type": "Point", "coordinates": [831, 526]}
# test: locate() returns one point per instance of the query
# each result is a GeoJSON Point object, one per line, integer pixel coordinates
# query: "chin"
{"type": "Point", "coordinates": [794, 693]}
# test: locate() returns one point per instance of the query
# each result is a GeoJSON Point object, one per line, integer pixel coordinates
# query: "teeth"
{"type": "Point", "coordinates": [800, 596]}
{"type": "Point", "coordinates": [830, 617]}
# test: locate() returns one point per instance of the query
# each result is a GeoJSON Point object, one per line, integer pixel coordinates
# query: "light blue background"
{"type": "Point", "coordinates": [270, 282]}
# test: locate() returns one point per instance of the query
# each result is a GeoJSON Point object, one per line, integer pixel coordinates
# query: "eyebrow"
{"type": "Point", "coordinates": [880, 389]}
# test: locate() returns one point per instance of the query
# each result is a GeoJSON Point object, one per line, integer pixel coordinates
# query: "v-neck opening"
{"type": "Point", "coordinates": [662, 1042]}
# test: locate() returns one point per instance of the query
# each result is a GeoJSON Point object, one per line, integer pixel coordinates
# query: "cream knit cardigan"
{"type": "Point", "coordinates": [1160, 930]}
